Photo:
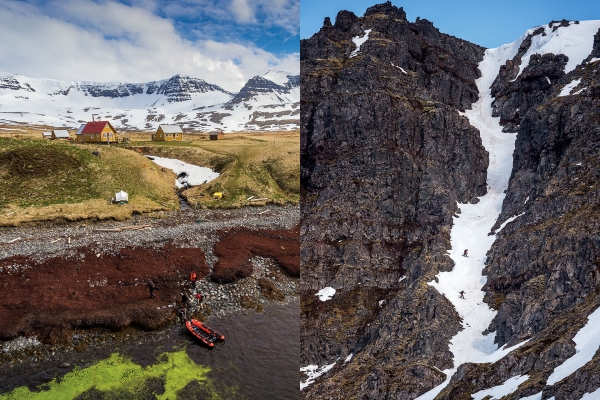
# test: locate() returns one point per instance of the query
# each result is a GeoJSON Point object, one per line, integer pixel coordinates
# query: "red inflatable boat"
{"type": "Point", "coordinates": [203, 332]}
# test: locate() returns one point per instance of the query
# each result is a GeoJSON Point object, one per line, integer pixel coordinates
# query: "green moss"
{"type": "Point", "coordinates": [118, 374]}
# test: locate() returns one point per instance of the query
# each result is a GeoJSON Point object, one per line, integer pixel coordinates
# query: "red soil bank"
{"type": "Point", "coordinates": [238, 246]}
{"type": "Point", "coordinates": [58, 295]}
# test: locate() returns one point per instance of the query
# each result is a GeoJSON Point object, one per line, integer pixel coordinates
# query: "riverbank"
{"type": "Point", "coordinates": [244, 366]}
{"type": "Point", "coordinates": [60, 282]}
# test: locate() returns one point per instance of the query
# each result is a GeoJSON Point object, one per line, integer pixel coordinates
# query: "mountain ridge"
{"type": "Point", "coordinates": [142, 106]}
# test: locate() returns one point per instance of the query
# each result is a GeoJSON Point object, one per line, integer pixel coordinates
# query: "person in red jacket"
{"type": "Point", "coordinates": [193, 278]}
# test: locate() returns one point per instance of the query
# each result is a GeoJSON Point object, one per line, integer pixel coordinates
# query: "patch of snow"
{"type": "Point", "coordinates": [325, 293]}
{"type": "Point", "coordinates": [195, 175]}
{"type": "Point", "coordinates": [349, 358]}
{"type": "Point", "coordinates": [400, 68]}
{"type": "Point", "coordinates": [548, 79]}
{"type": "Point", "coordinates": [578, 164]}
{"type": "Point", "coordinates": [402, 278]}
{"type": "Point", "coordinates": [568, 87]}
{"type": "Point", "coordinates": [381, 302]}
{"type": "Point", "coordinates": [587, 341]}
{"type": "Point", "coordinates": [594, 60]}
{"type": "Point", "coordinates": [499, 391]}
{"type": "Point", "coordinates": [358, 41]}
{"type": "Point", "coordinates": [579, 91]}
{"type": "Point", "coordinates": [508, 221]}
{"type": "Point", "coordinates": [470, 231]}
{"type": "Point", "coordinates": [278, 77]}
{"type": "Point", "coordinates": [595, 395]}
{"type": "Point", "coordinates": [575, 41]}
{"type": "Point", "coordinates": [313, 372]}
{"type": "Point", "coordinates": [526, 200]}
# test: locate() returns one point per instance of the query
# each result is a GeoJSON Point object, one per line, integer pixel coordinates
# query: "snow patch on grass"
{"type": "Point", "coordinates": [313, 372]}
{"type": "Point", "coordinates": [195, 175]}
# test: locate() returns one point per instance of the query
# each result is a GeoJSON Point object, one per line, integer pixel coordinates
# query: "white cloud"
{"type": "Point", "coordinates": [108, 41]}
{"type": "Point", "coordinates": [243, 11]}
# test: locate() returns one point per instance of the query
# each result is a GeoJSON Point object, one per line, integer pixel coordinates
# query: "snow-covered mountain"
{"type": "Point", "coordinates": [268, 102]}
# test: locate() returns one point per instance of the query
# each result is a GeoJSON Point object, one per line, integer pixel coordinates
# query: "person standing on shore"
{"type": "Point", "coordinates": [151, 287]}
{"type": "Point", "coordinates": [181, 313]}
{"type": "Point", "coordinates": [193, 278]}
{"type": "Point", "coordinates": [184, 299]}
{"type": "Point", "coordinates": [199, 300]}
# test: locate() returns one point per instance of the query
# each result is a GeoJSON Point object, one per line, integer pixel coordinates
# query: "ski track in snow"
{"type": "Point", "coordinates": [471, 228]}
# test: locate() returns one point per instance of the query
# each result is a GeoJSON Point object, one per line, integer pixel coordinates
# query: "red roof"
{"type": "Point", "coordinates": [95, 127]}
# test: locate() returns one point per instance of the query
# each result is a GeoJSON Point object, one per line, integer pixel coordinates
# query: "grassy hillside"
{"type": "Point", "coordinates": [44, 180]}
{"type": "Point", "coordinates": [264, 165]}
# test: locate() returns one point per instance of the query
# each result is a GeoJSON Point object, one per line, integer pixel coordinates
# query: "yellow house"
{"type": "Point", "coordinates": [167, 133]}
{"type": "Point", "coordinates": [97, 132]}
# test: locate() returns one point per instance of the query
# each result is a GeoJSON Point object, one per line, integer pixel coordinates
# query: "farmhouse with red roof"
{"type": "Point", "coordinates": [97, 132]}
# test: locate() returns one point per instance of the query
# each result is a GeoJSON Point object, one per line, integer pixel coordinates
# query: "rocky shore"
{"type": "Point", "coordinates": [73, 313]}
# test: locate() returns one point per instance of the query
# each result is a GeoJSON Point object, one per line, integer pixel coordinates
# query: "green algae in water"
{"type": "Point", "coordinates": [120, 376]}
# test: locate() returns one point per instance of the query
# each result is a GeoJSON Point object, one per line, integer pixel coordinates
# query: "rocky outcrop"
{"type": "Point", "coordinates": [385, 157]}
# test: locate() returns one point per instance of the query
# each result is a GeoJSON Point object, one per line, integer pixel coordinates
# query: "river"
{"type": "Point", "coordinates": [258, 360]}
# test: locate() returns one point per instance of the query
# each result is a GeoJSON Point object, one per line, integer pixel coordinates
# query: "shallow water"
{"type": "Point", "coordinates": [258, 360]}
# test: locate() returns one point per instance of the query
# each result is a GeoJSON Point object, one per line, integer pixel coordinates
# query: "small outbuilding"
{"type": "Point", "coordinates": [167, 133]}
{"type": "Point", "coordinates": [97, 132]}
{"type": "Point", "coordinates": [47, 135]}
{"type": "Point", "coordinates": [121, 198]}
{"type": "Point", "coordinates": [216, 135]}
{"type": "Point", "coordinates": [60, 134]}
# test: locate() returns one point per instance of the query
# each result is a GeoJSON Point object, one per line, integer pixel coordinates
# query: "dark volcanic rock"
{"type": "Point", "coordinates": [385, 157]}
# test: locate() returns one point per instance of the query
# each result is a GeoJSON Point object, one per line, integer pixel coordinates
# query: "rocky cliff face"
{"type": "Point", "coordinates": [385, 157]}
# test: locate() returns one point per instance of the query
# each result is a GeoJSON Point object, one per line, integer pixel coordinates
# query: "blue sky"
{"type": "Point", "coordinates": [225, 42]}
{"type": "Point", "coordinates": [484, 22]}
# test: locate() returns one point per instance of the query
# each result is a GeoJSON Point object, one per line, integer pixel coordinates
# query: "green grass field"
{"type": "Point", "coordinates": [45, 180]}
{"type": "Point", "coordinates": [62, 180]}
{"type": "Point", "coordinates": [263, 165]}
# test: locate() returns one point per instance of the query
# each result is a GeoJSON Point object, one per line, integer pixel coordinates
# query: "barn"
{"type": "Point", "coordinates": [216, 135]}
{"type": "Point", "coordinates": [167, 133]}
{"type": "Point", "coordinates": [97, 132]}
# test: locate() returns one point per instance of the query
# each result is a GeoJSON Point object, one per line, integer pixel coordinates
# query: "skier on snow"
{"type": "Point", "coordinates": [462, 294]}
{"type": "Point", "coordinates": [466, 253]}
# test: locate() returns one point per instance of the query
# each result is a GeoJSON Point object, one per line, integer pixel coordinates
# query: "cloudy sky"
{"type": "Point", "coordinates": [225, 42]}
{"type": "Point", "coordinates": [484, 22]}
